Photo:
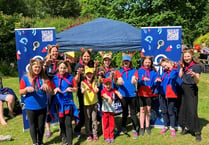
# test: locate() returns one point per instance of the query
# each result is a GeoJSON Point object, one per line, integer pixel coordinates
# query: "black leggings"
{"type": "Point", "coordinates": [37, 123]}
{"type": "Point", "coordinates": [131, 102]}
{"type": "Point", "coordinates": [66, 128]}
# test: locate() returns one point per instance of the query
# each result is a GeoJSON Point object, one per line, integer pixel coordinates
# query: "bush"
{"type": "Point", "coordinates": [201, 39]}
{"type": "Point", "coordinates": [117, 58]}
{"type": "Point", "coordinates": [8, 69]}
{"type": "Point", "coordinates": [59, 23]}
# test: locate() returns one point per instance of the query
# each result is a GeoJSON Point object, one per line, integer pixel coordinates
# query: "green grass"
{"type": "Point", "coordinates": [15, 126]}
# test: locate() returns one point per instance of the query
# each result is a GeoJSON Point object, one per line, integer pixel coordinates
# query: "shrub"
{"type": "Point", "coordinates": [8, 69]}
{"type": "Point", "coordinates": [117, 58]}
{"type": "Point", "coordinates": [201, 39]}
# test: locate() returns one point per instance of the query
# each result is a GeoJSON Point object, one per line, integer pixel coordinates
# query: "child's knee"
{"type": "Point", "coordinates": [142, 109]}
{"type": "Point", "coordinates": [9, 98]}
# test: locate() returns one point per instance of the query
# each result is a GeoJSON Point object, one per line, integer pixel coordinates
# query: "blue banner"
{"type": "Point", "coordinates": [161, 42]}
{"type": "Point", "coordinates": [31, 43]}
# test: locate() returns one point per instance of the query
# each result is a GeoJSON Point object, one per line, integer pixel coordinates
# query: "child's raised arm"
{"type": "Point", "coordinates": [118, 94]}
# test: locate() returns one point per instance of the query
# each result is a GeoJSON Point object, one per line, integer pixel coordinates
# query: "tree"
{"type": "Point", "coordinates": [65, 8]}
{"type": "Point", "coordinates": [7, 43]}
{"type": "Point", "coordinates": [13, 6]}
{"type": "Point", "coordinates": [151, 13]}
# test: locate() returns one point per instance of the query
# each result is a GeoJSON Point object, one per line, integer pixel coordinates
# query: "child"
{"type": "Point", "coordinates": [168, 95]}
{"type": "Point", "coordinates": [107, 71]}
{"type": "Point", "coordinates": [64, 86]}
{"type": "Point", "coordinates": [147, 79]}
{"type": "Point", "coordinates": [108, 97]}
{"type": "Point", "coordinates": [90, 90]}
{"type": "Point", "coordinates": [34, 87]}
{"type": "Point", "coordinates": [190, 73]}
{"type": "Point", "coordinates": [128, 91]}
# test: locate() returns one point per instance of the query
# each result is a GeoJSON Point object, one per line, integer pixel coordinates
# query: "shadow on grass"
{"type": "Point", "coordinates": [203, 122]}
{"type": "Point", "coordinates": [55, 140]}
{"type": "Point", "coordinates": [118, 122]}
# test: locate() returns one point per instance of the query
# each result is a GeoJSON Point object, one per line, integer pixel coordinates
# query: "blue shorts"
{"type": "Point", "coordinates": [3, 97]}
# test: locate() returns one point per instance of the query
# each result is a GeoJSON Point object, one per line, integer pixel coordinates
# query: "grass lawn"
{"type": "Point", "coordinates": [15, 126]}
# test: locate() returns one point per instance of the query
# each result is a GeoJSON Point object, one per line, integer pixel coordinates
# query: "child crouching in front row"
{"type": "Point", "coordinates": [108, 97]}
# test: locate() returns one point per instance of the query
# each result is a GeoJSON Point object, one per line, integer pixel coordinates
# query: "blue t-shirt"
{"type": "Point", "coordinates": [35, 100]}
{"type": "Point", "coordinates": [127, 89]}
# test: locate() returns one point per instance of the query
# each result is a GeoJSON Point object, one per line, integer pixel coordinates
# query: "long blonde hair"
{"type": "Point", "coordinates": [31, 73]}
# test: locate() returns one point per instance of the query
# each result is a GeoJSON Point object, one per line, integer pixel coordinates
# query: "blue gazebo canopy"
{"type": "Point", "coordinates": [101, 35]}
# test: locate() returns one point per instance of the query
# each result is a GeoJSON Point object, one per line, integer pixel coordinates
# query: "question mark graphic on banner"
{"type": "Point", "coordinates": [24, 41]}
{"type": "Point", "coordinates": [149, 39]}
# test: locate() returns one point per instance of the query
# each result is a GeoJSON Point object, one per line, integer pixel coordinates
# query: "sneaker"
{"type": "Point", "coordinates": [48, 134]}
{"type": "Point", "coordinates": [141, 131]}
{"type": "Point", "coordinates": [173, 133]}
{"type": "Point", "coordinates": [162, 131]}
{"type": "Point", "coordinates": [184, 131]}
{"type": "Point", "coordinates": [95, 138]}
{"type": "Point", "coordinates": [123, 131]}
{"type": "Point", "coordinates": [40, 143]}
{"type": "Point", "coordinates": [89, 138]}
{"type": "Point", "coordinates": [198, 136]}
{"type": "Point", "coordinates": [135, 134]}
{"type": "Point", "coordinates": [148, 130]}
{"type": "Point", "coordinates": [112, 140]}
{"type": "Point", "coordinates": [78, 135]}
{"type": "Point", "coordinates": [107, 140]}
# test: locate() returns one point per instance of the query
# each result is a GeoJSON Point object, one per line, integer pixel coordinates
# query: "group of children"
{"type": "Point", "coordinates": [132, 86]}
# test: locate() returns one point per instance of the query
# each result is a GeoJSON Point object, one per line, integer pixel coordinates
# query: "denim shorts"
{"type": "Point", "coordinates": [3, 97]}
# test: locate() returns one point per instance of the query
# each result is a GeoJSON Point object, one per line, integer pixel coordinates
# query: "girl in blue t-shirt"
{"type": "Point", "coordinates": [148, 78]}
{"type": "Point", "coordinates": [34, 87]}
{"type": "Point", "coordinates": [128, 91]}
{"type": "Point", "coordinates": [168, 95]}
{"type": "Point", "coordinates": [64, 85]}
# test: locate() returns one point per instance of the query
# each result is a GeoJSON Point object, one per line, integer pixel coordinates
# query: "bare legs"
{"type": "Point", "coordinates": [145, 113]}
{"type": "Point", "coordinates": [2, 120]}
{"type": "Point", "coordinates": [10, 101]}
